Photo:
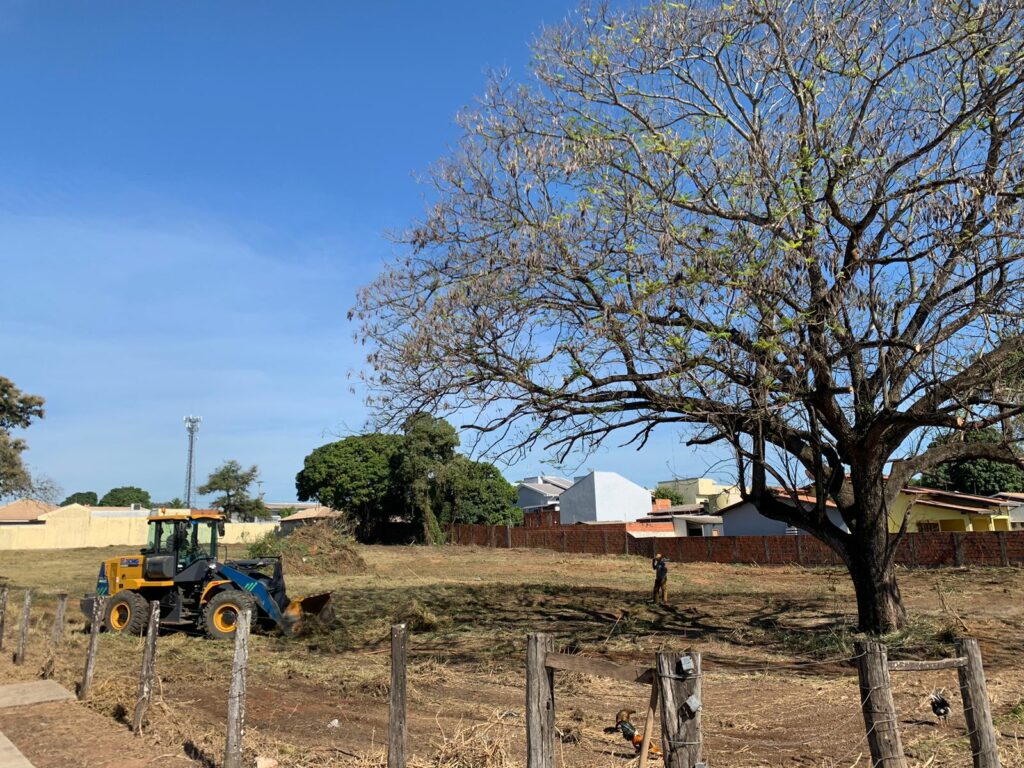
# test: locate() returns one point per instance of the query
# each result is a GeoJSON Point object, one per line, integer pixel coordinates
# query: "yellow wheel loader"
{"type": "Point", "coordinates": [179, 568]}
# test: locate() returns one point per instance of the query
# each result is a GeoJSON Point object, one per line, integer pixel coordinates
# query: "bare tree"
{"type": "Point", "coordinates": [795, 226]}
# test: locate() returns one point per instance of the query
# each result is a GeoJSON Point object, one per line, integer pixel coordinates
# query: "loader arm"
{"type": "Point", "coordinates": [255, 588]}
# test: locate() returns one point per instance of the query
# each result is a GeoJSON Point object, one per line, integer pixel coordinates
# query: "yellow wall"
{"type": "Point", "coordinates": [74, 526]}
{"type": "Point", "coordinates": [948, 519]}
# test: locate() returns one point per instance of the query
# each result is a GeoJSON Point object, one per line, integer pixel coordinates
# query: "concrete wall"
{"type": "Point", "coordinates": [604, 497]}
{"type": "Point", "coordinates": [74, 526]}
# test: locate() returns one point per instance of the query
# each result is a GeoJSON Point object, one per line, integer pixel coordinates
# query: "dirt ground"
{"type": "Point", "coordinates": [779, 687]}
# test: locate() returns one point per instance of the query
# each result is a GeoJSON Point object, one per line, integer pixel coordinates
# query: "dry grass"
{"type": "Point", "coordinates": [762, 632]}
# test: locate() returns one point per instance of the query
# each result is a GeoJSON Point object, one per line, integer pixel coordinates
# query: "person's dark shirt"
{"type": "Point", "coordinates": [660, 569]}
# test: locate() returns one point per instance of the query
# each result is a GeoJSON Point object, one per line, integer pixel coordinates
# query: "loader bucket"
{"type": "Point", "coordinates": [302, 608]}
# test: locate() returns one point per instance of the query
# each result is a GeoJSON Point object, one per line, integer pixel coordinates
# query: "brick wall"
{"type": "Point", "coordinates": [917, 549]}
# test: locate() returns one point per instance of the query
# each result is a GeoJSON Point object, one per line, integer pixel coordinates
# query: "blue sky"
{"type": "Point", "coordinates": [190, 193]}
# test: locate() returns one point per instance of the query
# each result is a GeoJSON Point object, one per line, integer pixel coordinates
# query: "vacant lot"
{"type": "Point", "coordinates": [779, 689]}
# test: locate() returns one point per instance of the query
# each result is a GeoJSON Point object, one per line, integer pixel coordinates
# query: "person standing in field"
{"type": "Point", "coordinates": [660, 566]}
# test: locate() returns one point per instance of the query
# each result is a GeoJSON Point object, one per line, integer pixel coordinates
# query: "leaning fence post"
{"type": "Point", "coordinates": [90, 654]}
{"type": "Point", "coordinates": [3, 615]}
{"type": "Point", "coordinates": [236, 695]}
{"type": "Point", "coordinates": [397, 730]}
{"type": "Point", "coordinates": [879, 709]}
{"type": "Point", "coordinates": [26, 614]}
{"type": "Point", "coordinates": [540, 702]}
{"type": "Point", "coordinates": [652, 709]}
{"type": "Point", "coordinates": [58, 620]}
{"type": "Point", "coordinates": [679, 683]}
{"type": "Point", "coordinates": [977, 710]}
{"type": "Point", "coordinates": [146, 673]}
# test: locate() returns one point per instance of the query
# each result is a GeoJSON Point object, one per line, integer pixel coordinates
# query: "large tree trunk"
{"type": "Point", "coordinates": [879, 603]}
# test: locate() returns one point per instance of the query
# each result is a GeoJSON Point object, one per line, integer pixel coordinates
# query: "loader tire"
{"type": "Point", "coordinates": [222, 613]}
{"type": "Point", "coordinates": [126, 613]}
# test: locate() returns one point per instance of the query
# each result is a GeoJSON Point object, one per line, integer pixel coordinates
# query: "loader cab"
{"type": "Point", "coordinates": [177, 541]}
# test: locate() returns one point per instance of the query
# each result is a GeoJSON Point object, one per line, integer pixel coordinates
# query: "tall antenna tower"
{"type": "Point", "coordinates": [192, 427]}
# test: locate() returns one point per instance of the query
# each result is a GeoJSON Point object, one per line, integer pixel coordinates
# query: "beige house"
{"type": "Point", "coordinates": [28, 524]}
{"type": "Point", "coordinates": [709, 493]}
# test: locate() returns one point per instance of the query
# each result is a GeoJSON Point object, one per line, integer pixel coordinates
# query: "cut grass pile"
{"type": "Point", "coordinates": [322, 547]}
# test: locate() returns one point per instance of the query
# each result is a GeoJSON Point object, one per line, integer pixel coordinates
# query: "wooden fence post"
{"type": "Point", "coordinates": [883, 733]}
{"type": "Point", "coordinates": [90, 654]}
{"type": "Point", "coordinates": [236, 695]}
{"type": "Point", "coordinates": [540, 702]}
{"type": "Point", "coordinates": [58, 620]}
{"type": "Point", "coordinates": [679, 683]}
{"type": "Point", "coordinates": [397, 729]}
{"type": "Point", "coordinates": [977, 710]}
{"type": "Point", "coordinates": [652, 709]}
{"type": "Point", "coordinates": [26, 614]}
{"type": "Point", "coordinates": [146, 673]}
{"type": "Point", "coordinates": [3, 615]}
{"type": "Point", "coordinates": [508, 537]}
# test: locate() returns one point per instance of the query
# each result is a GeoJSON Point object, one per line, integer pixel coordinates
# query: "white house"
{"type": "Point", "coordinates": [1016, 510]}
{"type": "Point", "coordinates": [604, 497]}
{"type": "Point", "coordinates": [744, 519]}
{"type": "Point", "coordinates": [540, 491]}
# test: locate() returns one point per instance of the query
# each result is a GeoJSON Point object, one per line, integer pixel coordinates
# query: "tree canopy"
{"type": "Point", "coordinates": [416, 476]}
{"type": "Point", "coordinates": [794, 228]}
{"type": "Point", "coordinates": [81, 497]}
{"type": "Point", "coordinates": [17, 411]}
{"type": "Point", "coordinates": [670, 493]}
{"type": "Point", "coordinates": [125, 496]}
{"type": "Point", "coordinates": [232, 481]}
{"type": "Point", "coordinates": [474, 492]}
{"type": "Point", "coordinates": [981, 477]}
{"type": "Point", "coordinates": [354, 475]}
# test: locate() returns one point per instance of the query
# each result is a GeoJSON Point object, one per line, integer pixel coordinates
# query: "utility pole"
{"type": "Point", "coordinates": [192, 427]}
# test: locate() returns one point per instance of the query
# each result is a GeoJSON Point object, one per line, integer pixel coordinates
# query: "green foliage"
{"type": "Point", "coordinates": [82, 497]}
{"type": "Point", "coordinates": [416, 476]}
{"type": "Point", "coordinates": [475, 492]}
{"type": "Point", "coordinates": [125, 496]}
{"type": "Point", "coordinates": [429, 444]}
{"type": "Point", "coordinates": [17, 411]}
{"type": "Point", "coordinates": [981, 477]}
{"type": "Point", "coordinates": [354, 475]}
{"type": "Point", "coordinates": [175, 503]}
{"type": "Point", "coordinates": [670, 493]}
{"type": "Point", "coordinates": [232, 481]}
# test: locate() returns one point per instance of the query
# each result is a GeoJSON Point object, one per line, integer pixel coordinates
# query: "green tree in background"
{"type": "Point", "coordinates": [470, 491]}
{"type": "Point", "coordinates": [17, 411]}
{"type": "Point", "coordinates": [977, 476]}
{"type": "Point", "coordinates": [417, 475]}
{"type": "Point", "coordinates": [82, 497]}
{"type": "Point", "coordinates": [232, 481]}
{"type": "Point", "coordinates": [670, 493]}
{"type": "Point", "coordinates": [175, 503]}
{"type": "Point", "coordinates": [125, 496]}
{"type": "Point", "coordinates": [428, 445]}
{"type": "Point", "coordinates": [354, 475]}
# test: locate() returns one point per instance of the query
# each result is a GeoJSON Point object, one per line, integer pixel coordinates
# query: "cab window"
{"type": "Point", "coordinates": [161, 538]}
{"type": "Point", "coordinates": [203, 541]}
